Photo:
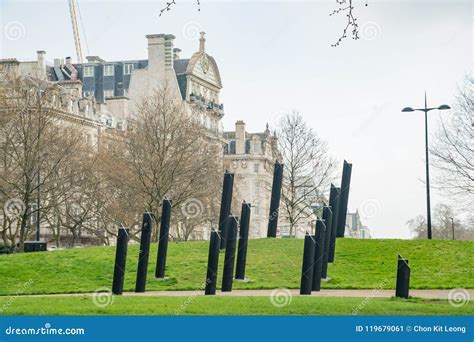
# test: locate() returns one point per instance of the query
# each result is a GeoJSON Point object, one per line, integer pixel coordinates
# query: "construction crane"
{"type": "Point", "coordinates": [75, 29]}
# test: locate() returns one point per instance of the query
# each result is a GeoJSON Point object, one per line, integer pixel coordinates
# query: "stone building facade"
{"type": "Point", "coordinates": [251, 156]}
{"type": "Point", "coordinates": [74, 108]}
{"type": "Point", "coordinates": [104, 96]}
{"type": "Point", "coordinates": [121, 85]}
{"type": "Point", "coordinates": [355, 228]}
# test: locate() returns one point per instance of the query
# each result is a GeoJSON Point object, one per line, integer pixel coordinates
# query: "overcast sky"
{"type": "Point", "coordinates": [276, 56]}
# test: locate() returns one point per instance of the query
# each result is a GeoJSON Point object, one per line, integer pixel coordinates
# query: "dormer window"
{"type": "Point", "coordinates": [89, 71]}
{"type": "Point", "coordinates": [109, 70]}
{"type": "Point", "coordinates": [127, 69]}
{"type": "Point", "coordinates": [256, 147]}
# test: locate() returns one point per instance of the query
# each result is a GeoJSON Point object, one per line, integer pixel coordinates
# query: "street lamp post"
{"type": "Point", "coordinates": [38, 214]}
{"type": "Point", "coordinates": [426, 110]}
{"type": "Point", "coordinates": [38, 198]}
{"type": "Point", "coordinates": [452, 225]}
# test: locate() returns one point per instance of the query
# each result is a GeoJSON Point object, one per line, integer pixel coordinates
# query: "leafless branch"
{"type": "Point", "coordinates": [352, 25]}
{"type": "Point", "coordinates": [453, 149]}
{"type": "Point", "coordinates": [173, 2]}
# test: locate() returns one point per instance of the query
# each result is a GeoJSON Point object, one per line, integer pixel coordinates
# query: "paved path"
{"type": "Point", "coordinates": [434, 294]}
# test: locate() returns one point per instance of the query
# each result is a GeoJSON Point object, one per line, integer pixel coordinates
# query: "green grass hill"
{"type": "Point", "coordinates": [271, 263]}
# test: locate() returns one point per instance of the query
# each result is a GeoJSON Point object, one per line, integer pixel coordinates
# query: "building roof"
{"type": "Point", "coordinates": [180, 66]}
{"type": "Point", "coordinates": [10, 60]}
{"type": "Point", "coordinates": [196, 57]}
{"type": "Point", "coordinates": [248, 136]}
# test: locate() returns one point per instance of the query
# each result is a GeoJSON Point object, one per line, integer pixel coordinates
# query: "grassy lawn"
{"type": "Point", "coordinates": [84, 305]}
{"type": "Point", "coordinates": [271, 263]}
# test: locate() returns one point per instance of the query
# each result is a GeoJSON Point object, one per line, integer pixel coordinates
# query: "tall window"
{"type": "Point", "coordinates": [256, 168]}
{"type": "Point", "coordinates": [89, 71]}
{"type": "Point", "coordinates": [232, 147]}
{"type": "Point", "coordinates": [127, 69]}
{"type": "Point", "coordinates": [109, 70]}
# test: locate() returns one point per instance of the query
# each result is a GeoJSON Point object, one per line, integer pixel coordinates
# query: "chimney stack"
{"type": "Point", "coordinates": [176, 52]}
{"type": "Point", "coordinates": [71, 69]}
{"type": "Point", "coordinates": [160, 52]}
{"type": "Point", "coordinates": [41, 64]}
{"type": "Point", "coordinates": [240, 137]}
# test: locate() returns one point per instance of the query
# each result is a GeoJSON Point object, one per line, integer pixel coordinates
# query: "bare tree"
{"type": "Point", "coordinates": [308, 167]}
{"type": "Point", "coordinates": [166, 153]}
{"type": "Point", "coordinates": [418, 227]}
{"type": "Point", "coordinates": [453, 148]}
{"type": "Point", "coordinates": [194, 217]}
{"type": "Point", "coordinates": [444, 218]}
{"type": "Point", "coordinates": [445, 222]}
{"type": "Point", "coordinates": [118, 200]}
{"type": "Point", "coordinates": [39, 150]}
{"type": "Point", "coordinates": [75, 214]}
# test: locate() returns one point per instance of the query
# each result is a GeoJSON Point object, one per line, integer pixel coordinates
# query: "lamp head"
{"type": "Point", "coordinates": [408, 109]}
{"type": "Point", "coordinates": [443, 107]}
